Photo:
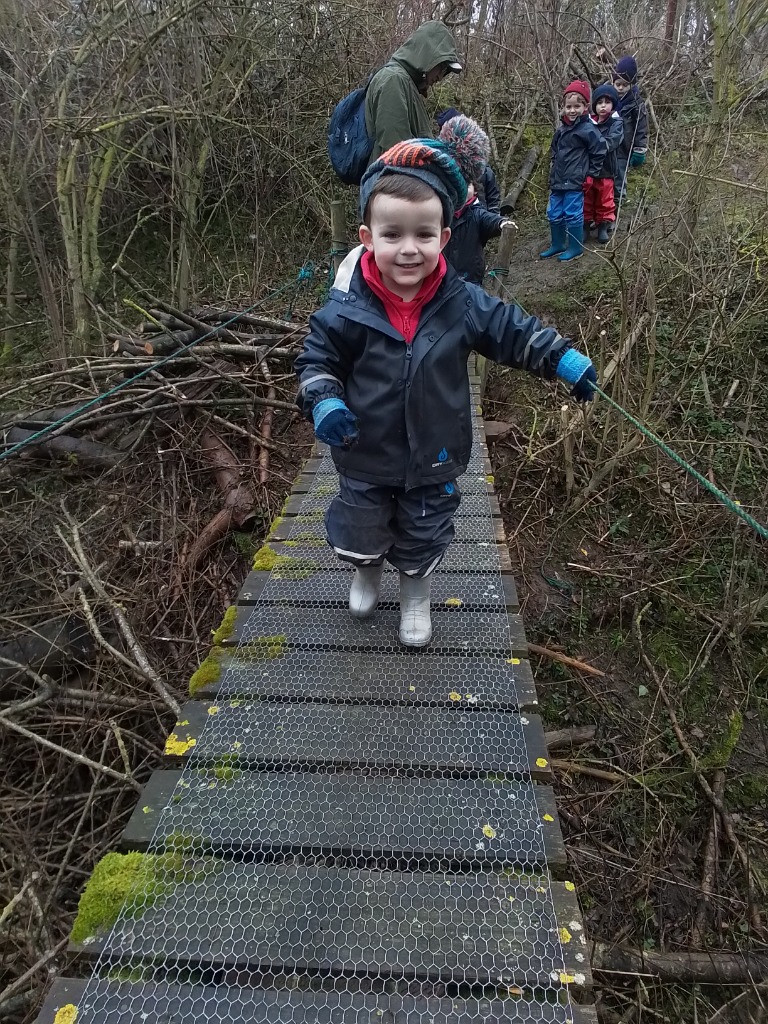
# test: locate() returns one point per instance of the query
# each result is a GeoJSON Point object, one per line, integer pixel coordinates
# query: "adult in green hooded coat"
{"type": "Point", "coordinates": [394, 103]}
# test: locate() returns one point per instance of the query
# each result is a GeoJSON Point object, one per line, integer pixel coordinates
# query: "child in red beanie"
{"type": "Point", "coordinates": [578, 150]}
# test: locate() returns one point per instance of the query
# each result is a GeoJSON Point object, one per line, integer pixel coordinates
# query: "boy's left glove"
{"type": "Point", "coordinates": [334, 423]}
{"type": "Point", "coordinates": [578, 370]}
{"type": "Point", "coordinates": [638, 158]}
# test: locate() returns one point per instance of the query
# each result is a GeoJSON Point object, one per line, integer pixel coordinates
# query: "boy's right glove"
{"type": "Point", "coordinates": [578, 370]}
{"type": "Point", "coordinates": [334, 423]}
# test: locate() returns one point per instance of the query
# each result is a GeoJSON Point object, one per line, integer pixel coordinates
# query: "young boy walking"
{"type": "Point", "coordinates": [383, 377]}
{"type": "Point", "coordinates": [634, 146]}
{"type": "Point", "coordinates": [577, 152]}
{"type": "Point", "coordinates": [599, 204]}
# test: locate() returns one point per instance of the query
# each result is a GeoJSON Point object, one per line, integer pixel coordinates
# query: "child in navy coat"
{"type": "Point", "coordinates": [599, 204]}
{"type": "Point", "coordinates": [473, 225]}
{"type": "Point", "coordinates": [383, 377]}
{"type": "Point", "coordinates": [631, 108]}
{"type": "Point", "coordinates": [577, 152]}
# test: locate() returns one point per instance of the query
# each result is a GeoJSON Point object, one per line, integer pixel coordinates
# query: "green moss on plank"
{"type": "Point", "coordinates": [208, 673]}
{"type": "Point", "coordinates": [227, 627]}
{"type": "Point", "coordinates": [265, 559]}
{"type": "Point", "coordinates": [275, 526]}
{"type": "Point", "coordinates": [133, 880]}
{"type": "Point", "coordinates": [261, 649]}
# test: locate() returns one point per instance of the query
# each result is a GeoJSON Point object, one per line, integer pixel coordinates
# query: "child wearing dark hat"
{"type": "Point", "coordinates": [599, 204]}
{"type": "Point", "coordinates": [383, 377]}
{"type": "Point", "coordinates": [633, 149]}
{"type": "Point", "coordinates": [473, 226]}
{"type": "Point", "coordinates": [578, 150]}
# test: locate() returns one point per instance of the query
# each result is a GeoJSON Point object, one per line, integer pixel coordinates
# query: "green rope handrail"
{"type": "Point", "coordinates": [721, 496]}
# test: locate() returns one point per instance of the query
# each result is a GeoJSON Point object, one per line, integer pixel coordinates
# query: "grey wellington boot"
{"type": "Point", "coordinates": [364, 592]}
{"type": "Point", "coordinates": [415, 621]}
{"type": "Point", "coordinates": [604, 232]}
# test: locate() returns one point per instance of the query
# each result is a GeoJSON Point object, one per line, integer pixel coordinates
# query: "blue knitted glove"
{"type": "Point", "coordinates": [637, 159]}
{"type": "Point", "coordinates": [334, 423]}
{"type": "Point", "coordinates": [578, 370]}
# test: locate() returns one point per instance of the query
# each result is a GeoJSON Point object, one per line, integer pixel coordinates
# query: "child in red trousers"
{"type": "Point", "coordinates": [599, 203]}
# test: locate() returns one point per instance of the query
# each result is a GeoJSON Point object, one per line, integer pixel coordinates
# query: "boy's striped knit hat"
{"type": "Point", "coordinates": [470, 145]}
{"type": "Point", "coordinates": [429, 160]}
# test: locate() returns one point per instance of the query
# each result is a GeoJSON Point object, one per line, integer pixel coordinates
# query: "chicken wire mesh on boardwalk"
{"type": "Point", "coordinates": [351, 862]}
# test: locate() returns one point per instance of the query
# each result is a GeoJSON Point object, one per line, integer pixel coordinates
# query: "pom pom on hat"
{"type": "Point", "coordinates": [469, 144]}
{"type": "Point", "coordinates": [429, 160]}
{"type": "Point", "coordinates": [626, 68]}
{"type": "Point", "coordinates": [606, 90]}
{"type": "Point", "coordinates": [578, 86]}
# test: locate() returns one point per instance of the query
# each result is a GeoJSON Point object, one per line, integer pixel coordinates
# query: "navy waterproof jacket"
{"type": "Point", "coordinates": [577, 152]}
{"type": "Point", "coordinates": [488, 191]}
{"type": "Point", "coordinates": [612, 130]}
{"type": "Point", "coordinates": [470, 233]}
{"type": "Point", "coordinates": [412, 400]}
{"type": "Point", "coordinates": [635, 117]}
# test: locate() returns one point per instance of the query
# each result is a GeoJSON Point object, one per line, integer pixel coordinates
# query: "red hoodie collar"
{"type": "Point", "coordinates": [404, 316]}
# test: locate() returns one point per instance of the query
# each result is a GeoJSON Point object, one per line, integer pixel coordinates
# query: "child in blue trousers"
{"type": "Point", "coordinates": [383, 377]}
{"type": "Point", "coordinates": [578, 150]}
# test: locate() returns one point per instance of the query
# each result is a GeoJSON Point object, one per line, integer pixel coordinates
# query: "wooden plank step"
{"type": "Point", "coordinates": [353, 814]}
{"type": "Point", "coordinates": [471, 505]}
{"type": "Point", "coordinates": [477, 505]}
{"type": "Point", "coordinates": [360, 677]}
{"type": "Point", "coordinates": [459, 740]}
{"type": "Point", "coordinates": [477, 556]}
{"type": "Point", "coordinates": [468, 528]}
{"type": "Point", "coordinates": [473, 591]}
{"type": "Point", "coordinates": [475, 929]}
{"type": "Point", "coordinates": [152, 1002]}
{"type": "Point", "coordinates": [455, 630]}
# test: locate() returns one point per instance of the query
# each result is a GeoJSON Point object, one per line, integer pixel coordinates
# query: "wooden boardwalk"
{"type": "Point", "coordinates": [345, 830]}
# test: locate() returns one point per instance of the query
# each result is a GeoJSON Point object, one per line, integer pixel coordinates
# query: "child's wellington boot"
{"type": "Point", "coordinates": [364, 592]}
{"type": "Point", "coordinates": [557, 229]}
{"type": "Point", "coordinates": [604, 232]}
{"type": "Point", "coordinates": [575, 243]}
{"type": "Point", "coordinates": [415, 621]}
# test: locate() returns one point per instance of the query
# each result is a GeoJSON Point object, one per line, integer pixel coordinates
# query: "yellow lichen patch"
{"type": "Point", "coordinates": [541, 762]}
{"type": "Point", "coordinates": [490, 479]}
{"type": "Point", "coordinates": [66, 1014]}
{"type": "Point", "coordinates": [185, 722]}
{"type": "Point", "coordinates": [236, 745]}
{"type": "Point", "coordinates": [175, 747]}
{"type": "Point", "coordinates": [213, 709]}
{"type": "Point", "coordinates": [208, 673]}
{"type": "Point", "coordinates": [570, 886]}
{"type": "Point", "coordinates": [227, 627]}
{"type": "Point", "coordinates": [548, 817]}
{"type": "Point", "coordinates": [565, 935]}
{"type": "Point", "coordinates": [566, 979]}
{"type": "Point", "coordinates": [453, 602]}
{"type": "Point", "coordinates": [412, 689]}
{"type": "Point", "coordinates": [513, 661]}
{"type": "Point", "coordinates": [146, 809]}
{"type": "Point", "coordinates": [489, 832]}
{"type": "Point", "coordinates": [454, 696]}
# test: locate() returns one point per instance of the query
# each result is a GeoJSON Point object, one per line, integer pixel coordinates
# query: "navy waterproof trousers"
{"type": "Point", "coordinates": [367, 523]}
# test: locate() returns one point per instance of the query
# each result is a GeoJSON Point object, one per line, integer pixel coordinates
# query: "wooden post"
{"type": "Point", "coordinates": [496, 287]}
{"type": "Point", "coordinates": [338, 233]}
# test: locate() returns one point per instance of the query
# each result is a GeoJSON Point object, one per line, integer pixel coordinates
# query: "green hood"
{"type": "Point", "coordinates": [431, 44]}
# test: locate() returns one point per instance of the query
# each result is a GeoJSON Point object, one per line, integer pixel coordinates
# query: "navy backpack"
{"type": "Point", "coordinates": [349, 144]}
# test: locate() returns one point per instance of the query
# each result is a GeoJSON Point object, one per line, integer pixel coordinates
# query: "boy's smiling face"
{"type": "Point", "coordinates": [574, 105]}
{"type": "Point", "coordinates": [406, 239]}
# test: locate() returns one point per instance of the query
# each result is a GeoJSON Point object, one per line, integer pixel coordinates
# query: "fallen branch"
{"type": "Point", "coordinates": [89, 453]}
{"type": "Point", "coordinates": [559, 738]}
{"type": "Point", "coordinates": [595, 773]}
{"type": "Point", "coordinates": [509, 201]}
{"type": "Point", "coordinates": [717, 966]}
{"type": "Point", "coordinates": [582, 666]}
